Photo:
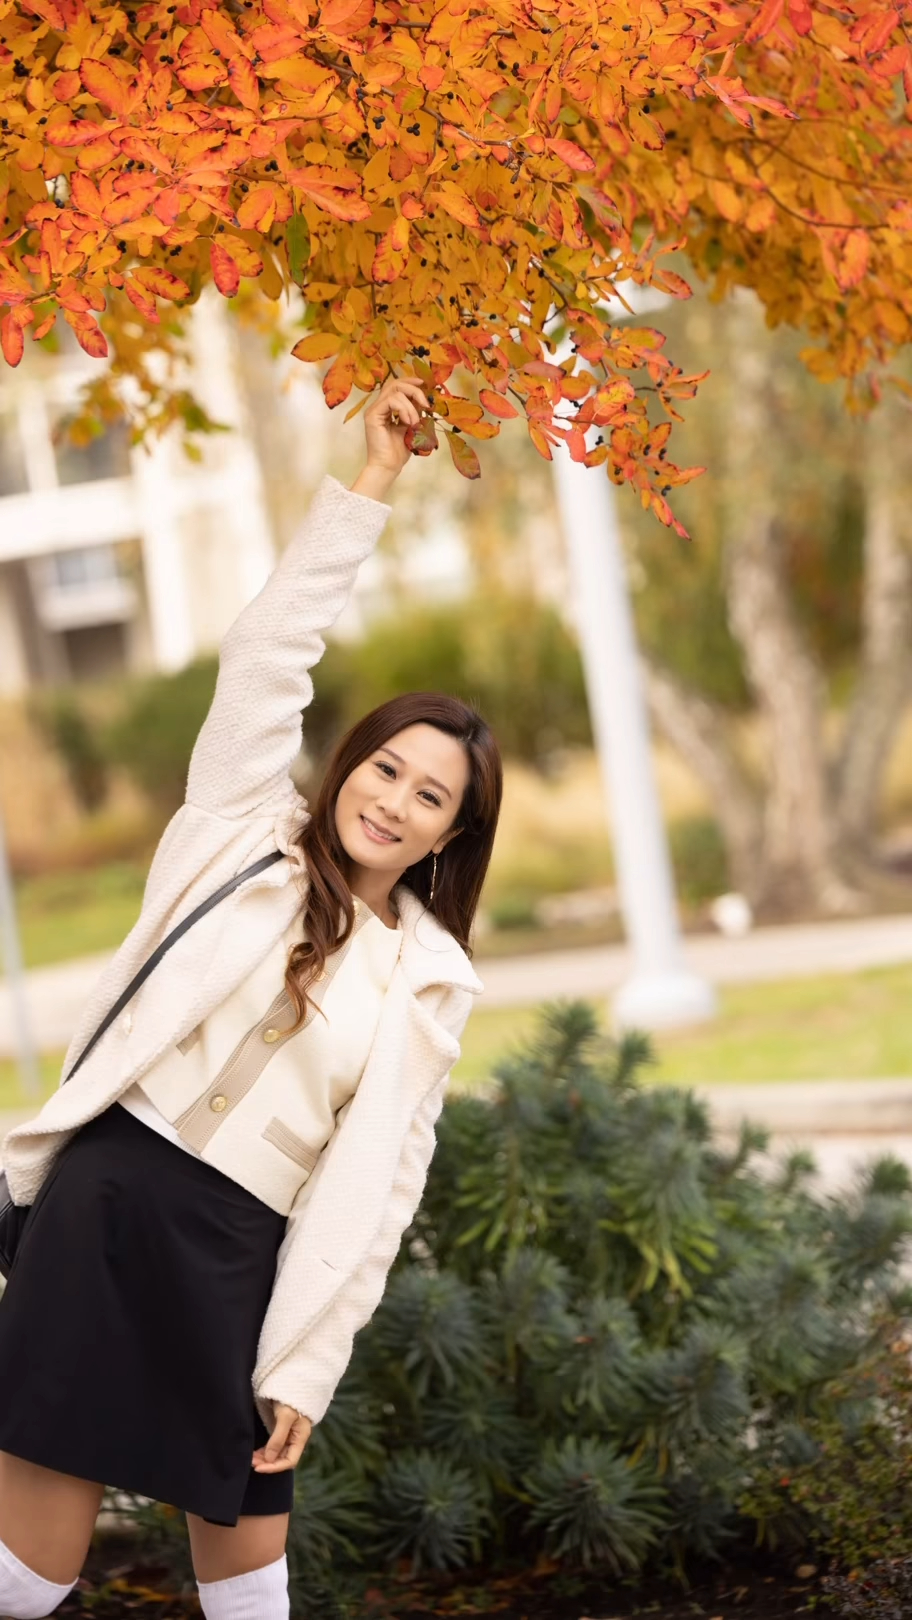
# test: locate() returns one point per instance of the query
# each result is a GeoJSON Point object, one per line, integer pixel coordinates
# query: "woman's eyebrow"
{"type": "Point", "coordinates": [400, 761]}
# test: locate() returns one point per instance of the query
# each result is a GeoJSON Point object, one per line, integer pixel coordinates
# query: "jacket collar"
{"type": "Point", "coordinates": [429, 954]}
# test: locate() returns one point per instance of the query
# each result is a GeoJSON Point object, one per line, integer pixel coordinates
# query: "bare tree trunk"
{"type": "Point", "coordinates": [799, 869]}
{"type": "Point", "coordinates": [698, 730]}
{"type": "Point", "coordinates": [885, 679]}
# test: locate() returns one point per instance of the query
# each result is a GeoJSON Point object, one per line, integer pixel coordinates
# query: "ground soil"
{"type": "Point", "coordinates": [116, 1584]}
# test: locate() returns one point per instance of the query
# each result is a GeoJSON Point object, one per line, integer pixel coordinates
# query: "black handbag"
{"type": "Point", "coordinates": [13, 1216]}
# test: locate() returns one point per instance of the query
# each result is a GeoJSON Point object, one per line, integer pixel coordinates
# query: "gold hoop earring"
{"type": "Point", "coordinates": [433, 881]}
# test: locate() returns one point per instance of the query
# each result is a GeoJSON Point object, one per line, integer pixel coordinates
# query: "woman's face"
{"type": "Point", "coordinates": [410, 787]}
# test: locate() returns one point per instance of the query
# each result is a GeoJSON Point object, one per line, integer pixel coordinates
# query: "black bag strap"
{"type": "Point", "coordinates": [171, 939]}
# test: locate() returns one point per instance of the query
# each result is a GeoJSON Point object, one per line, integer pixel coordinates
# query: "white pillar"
{"type": "Point", "coordinates": [243, 509]}
{"type": "Point", "coordinates": [662, 992]}
{"type": "Point", "coordinates": [12, 963]}
{"type": "Point", "coordinates": [173, 642]}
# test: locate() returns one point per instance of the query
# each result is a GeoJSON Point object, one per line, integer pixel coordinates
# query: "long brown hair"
{"type": "Point", "coordinates": [462, 866]}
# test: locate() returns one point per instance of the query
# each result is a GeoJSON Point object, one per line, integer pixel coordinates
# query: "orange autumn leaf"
{"type": "Point", "coordinates": [113, 91]}
{"type": "Point", "coordinates": [571, 154]}
{"type": "Point", "coordinates": [162, 283]}
{"type": "Point", "coordinates": [392, 251]}
{"type": "Point", "coordinates": [496, 404]}
{"type": "Point", "coordinates": [225, 272]}
{"type": "Point", "coordinates": [11, 339]}
{"type": "Point", "coordinates": [319, 346]}
{"type": "Point", "coordinates": [244, 82]}
{"type": "Point", "coordinates": [441, 178]}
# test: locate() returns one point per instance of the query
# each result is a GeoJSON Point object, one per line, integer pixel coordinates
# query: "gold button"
{"type": "Point", "coordinates": [218, 1103]}
{"type": "Point", "coordinates": [321, 974]}
{"type": "Point", "coordinates": [271, 1035]}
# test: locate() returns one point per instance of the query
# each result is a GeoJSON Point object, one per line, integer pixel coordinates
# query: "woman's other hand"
{"type": "Point", "coordinates": [285, 1444]}
{"type": "Point", "coordinates": [400, 403]}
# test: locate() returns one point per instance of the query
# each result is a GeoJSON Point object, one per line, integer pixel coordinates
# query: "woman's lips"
{"type": "Point", "coordinates": [377, 837]}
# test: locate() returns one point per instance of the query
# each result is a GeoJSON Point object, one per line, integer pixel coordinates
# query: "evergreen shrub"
{"type": "Point", "coordinates": [602, 1335]}
{"type": "Point", "coordinates": [610, 1343]}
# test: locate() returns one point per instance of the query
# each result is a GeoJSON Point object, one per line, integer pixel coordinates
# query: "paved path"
{"type": "Point", "coordinates": [56, 994]}
{"type": "Point", "coordinates": [767, 953]}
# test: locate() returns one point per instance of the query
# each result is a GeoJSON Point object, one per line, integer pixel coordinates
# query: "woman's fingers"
{"type": "Point", "coordinates": [286, 1443]}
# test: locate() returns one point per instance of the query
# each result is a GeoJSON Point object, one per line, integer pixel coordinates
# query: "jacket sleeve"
{"type": "Point", "coordinates": [252, 734]}
{"type": "Point", "coordinates": [308, 1377]}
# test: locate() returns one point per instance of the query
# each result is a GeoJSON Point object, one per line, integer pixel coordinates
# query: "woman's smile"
{"type": "Point", "coordinates": [377, 834]}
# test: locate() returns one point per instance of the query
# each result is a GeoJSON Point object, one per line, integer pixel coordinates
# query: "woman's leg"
{"type": "Point", "coordinates": [241, 1570]}
{"type": "Point", "coordinates": [46, 1524]}
{"type": "Point", "coordinates": [222, 1550]}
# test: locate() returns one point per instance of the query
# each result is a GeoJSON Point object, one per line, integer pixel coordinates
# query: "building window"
{"type": "Point", "coordinates": [107, 456]}
{"type": "Point", "coordinates": [71, 570]}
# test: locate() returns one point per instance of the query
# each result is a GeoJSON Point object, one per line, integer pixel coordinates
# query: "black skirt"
{"type": "Point", "coordinates": [130, 1321]}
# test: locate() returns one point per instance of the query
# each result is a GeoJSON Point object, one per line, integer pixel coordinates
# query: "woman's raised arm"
{"type": "Point", "coordinates": [252, 733]}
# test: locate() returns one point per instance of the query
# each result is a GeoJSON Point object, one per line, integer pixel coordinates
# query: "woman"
{"type": "Point", "coordinates": [197, 1260]}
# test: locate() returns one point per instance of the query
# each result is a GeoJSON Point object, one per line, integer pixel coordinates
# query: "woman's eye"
{"type": "Point", "coordinates": [428, 794]}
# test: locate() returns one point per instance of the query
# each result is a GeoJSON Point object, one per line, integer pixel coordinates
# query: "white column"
{"type": "Point", "coordinates": [12, 962]}
{"type": "Point", "coordinates": [242, 497]}
{"type": "Point", "coordinates": [173, 642]}
{"type": "Point", "coordinates": [662, 992]}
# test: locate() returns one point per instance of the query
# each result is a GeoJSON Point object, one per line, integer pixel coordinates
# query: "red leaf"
{"type": "Point", "coordinates": [11, 340]}
{"type": "Point", "coordinates": [225, 273]}
{"type": "Point", "coordinates": [496, 404]}
{"type": "Point", "coordinates": [802, 17]}
{"type": "Point", "coordinates": [570, 153]}
{"type": "Point", "coordinates": [465, 459]}
{"type": "Point", "coordinates": [766, 20]}
{"type": "Point", "coordinates": [421, 437]}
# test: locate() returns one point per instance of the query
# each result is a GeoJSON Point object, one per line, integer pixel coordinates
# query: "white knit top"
{"type": "Point", "coordinates": [257, 1106]}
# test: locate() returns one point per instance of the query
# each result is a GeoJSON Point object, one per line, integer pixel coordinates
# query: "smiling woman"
{"type": "Point", "coordinates": [412, 793]}
{"type": "Point", "coordinates": [233, 1220]}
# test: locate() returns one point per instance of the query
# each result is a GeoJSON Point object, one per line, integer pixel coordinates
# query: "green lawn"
{"type": "Point", "coordinates": [842, 1026]}
{"type": "Point", "coordinates": [67, 914]}
{"type": "Point", "coordinates": [845, 1026]}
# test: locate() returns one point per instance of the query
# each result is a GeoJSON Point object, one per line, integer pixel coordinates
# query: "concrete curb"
{"type": "Point", "coordinates": [814, 1107]}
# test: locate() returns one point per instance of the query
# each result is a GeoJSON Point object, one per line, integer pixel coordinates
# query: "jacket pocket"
{"type": "Point", "coordinates": [288, 1142]}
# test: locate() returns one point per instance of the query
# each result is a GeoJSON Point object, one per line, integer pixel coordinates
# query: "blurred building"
{"type": "Point", "coordinates": [115, 558]}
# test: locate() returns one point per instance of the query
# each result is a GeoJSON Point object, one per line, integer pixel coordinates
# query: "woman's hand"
{"type": "Point", "coordinates": [400, 403]}
{"type": "Point", "coordinates": [284, 1447]}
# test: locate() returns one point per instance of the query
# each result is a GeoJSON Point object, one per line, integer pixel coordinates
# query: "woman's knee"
{"type": "Point", "coordinates": [220, 1551]}
{"type": "Point", "coordinates": [46, 1518]}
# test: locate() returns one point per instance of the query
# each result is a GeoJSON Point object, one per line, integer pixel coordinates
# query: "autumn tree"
{"type": "Point", "coordinates": [448, 184]}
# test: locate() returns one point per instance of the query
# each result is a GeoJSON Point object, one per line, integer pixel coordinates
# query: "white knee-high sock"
{"type": "Point", "coordinates": [24, 1594]}
{"type": "Point", "coordinates": [262, 1594]}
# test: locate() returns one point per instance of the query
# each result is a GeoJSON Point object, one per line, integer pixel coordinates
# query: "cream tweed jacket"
{"type": "Point", "coordinates": [347, 1220]}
